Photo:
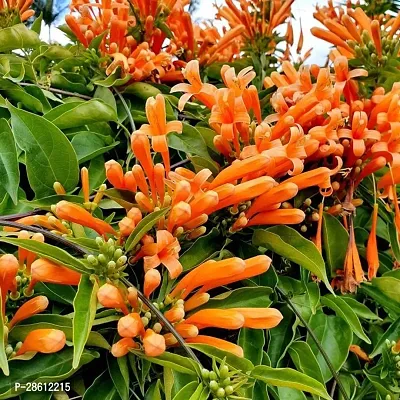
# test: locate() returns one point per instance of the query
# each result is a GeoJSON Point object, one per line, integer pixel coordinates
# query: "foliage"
{"type": "Point", "coordinates": [187, 214]}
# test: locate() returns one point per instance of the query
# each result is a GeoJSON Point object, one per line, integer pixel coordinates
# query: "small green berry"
{"type": "Point", "coordinates": [214, 385]}
{"type": "Point", "coordinates": [220, 393]}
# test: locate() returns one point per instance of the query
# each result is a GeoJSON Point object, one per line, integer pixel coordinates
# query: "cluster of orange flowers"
{"type": "Point", "coordinates": [157, 39]}
{"type": "Point", "coordinates": [14, 9]}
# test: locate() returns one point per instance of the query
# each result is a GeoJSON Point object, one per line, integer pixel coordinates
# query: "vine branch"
{"type": "Point", "coordinates": [58, 91]}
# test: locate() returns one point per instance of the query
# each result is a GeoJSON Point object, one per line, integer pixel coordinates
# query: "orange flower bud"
{"type": "Point", "coordinates": [281, 216]}
{"type": "Point", "coordinates": [152, 280]}
{"type": "Point", "coordinates": [121, 348]}
{"type": "Point", "coordinates": [372, 247]}
{"type": "Point", "coordinates": [28, 309]}
{"type": "Point", "coordinates": [58, 188]}
{"type": "Point", "coordinates": [196, 300]}
{"type": "Point", "coordinates": [8, 271]}
{"type": "Point", "coordinates": [75, 213]}
{"type": "Point", "coordinates": [360, 353]}
{"type": "Point", "coordinates": [43, 270]}
{"type": "Point", "coordinates": [43, 341]}
{"type": "Point", "coordinates": [175, 314]}
{"type": "Point", "coordinates": [115, 174]}
{"type": "Point", "coordinates": [218, 343]}
{"type": "Point", "coordinates": [260, 318]}
{"type": "Point", "coordinates": [130, 325]}
{"type": "Point", "coordinates": [180, 214]}
{"type": "Point", "coordinates": [110, 296]}
{"type": "Point", "coordinates": [218, 318]}
{"type": "Point", "coordinates": [126, 226]}
{"type": "Point", "coordinates": [187, 330]}
{"type": "Point", "coordinates": [31, 256]}
{"type": "Point", "coordinates": [135, 214]}
{"type": "Point", "coordinates": [133, 297]}
{"type": "Point", "coordinates": [170, 339]}
{"type": "Point", "coordinates": [153, 343]}
{"type": "Point", "coordinates": [85, 184]}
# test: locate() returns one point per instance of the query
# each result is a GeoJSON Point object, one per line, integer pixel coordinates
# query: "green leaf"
{"type": "Point", "coordinates": [189, 141]}
{"type": "Point", "coordinates": [335, 241]}
{"type": "Point", "coordinates": [88, 145]}
{"type": "Point", "coordinates": [290, 394]}
{"type": "Point", "coordinates": [381, 298]}
{"type": "Point", "coordinates": [17, 94]}
{"type": "Point", "coordinates": [335, 337]}
{"type": "Point", "coordinates": [3, 342]}
{"type": "Point", "coordinates": [72, 115]}
{"type": "Point", "coordinates": [305, 361]}
{"type": "Point", "coordinates": [63, 294]}
{"type": "Point", "coordinates": [18, 37]}
{"type": "Point", "coordinates": [9, 169]}
{"type": "Point", "coordinates": [287, 377]}
{"type": "Point", "coordinates": [250, 297]}
{"type": "Point", "coordinates": [50, 252]}
{"type": "Point", "coordinates": [119, 372]}
{"type": "Point", "coordinates": [187, 391]}
{"type": "Point", "coordinates": [200, 163]}
{"type": "Point", "coordinates": [115, 79]}
{"type": "Point", "coordinates": [394, 240]}
{"type": "Point", "coordinates": [389, 286]}
{"type": "Point", "coordinates": [142, 90]}
{"type": "Point", "coordinates": [238, 363]}
{"type": "Point", "coordinates": [201, 250]}
{"type": "Point", "coordinates": [360, 309]}
{"type": "Point", "coordinates": [107, 96]}
{"type": "Point", "coordinates": [55, 367]}
{"type": "Point", "coordinates": [143, 227]}
{"type": "Point", "coordinates": [102, 388]}
{"type": "Point", "coordinates": [37, 24]}
{"type": "Point", "coordinates": [290, 244]}
{"type": "Point", "coordinates": [313, 295]}
{"type": "Point", "coordinates": [252, 341]}
{"type": "Point", "coordinates": [85, 304]}
{"type": "Point", "coordinates": [173, 361]}
{"type": "Point", "coordinates": [43, 143]}
{"type": "Point", "coordinates": [380, 385]}
{"type": "Point", "coordinates": [392, 333]}
{"type": "Point", "coordinates": [343, 310]}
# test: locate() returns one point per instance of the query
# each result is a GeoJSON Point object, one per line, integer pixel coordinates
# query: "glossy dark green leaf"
{"type": "Point", "coordinates": [119, 372]}
{"type": "Point", "coordinates": [43, 143]}
{"type": "Point", "coordinates": [305, 361]}
{"type": "Point", "coordinates": [117, 78]}
{"type": "Point", "coordinates": [102, 388]}
{"type": "Point", "coordinates": [107, 96]}
{"type": "Point", "coordinates": [392, 333]}
{"type": "Point", "coordinates": [85, 304]}
{"type": "Point", "coordinates": [187, 391]}
{"type": "Point", "coordinates": [71, 82]}
{"type": "Point", "coordinates": [189, 141]}
{"type": "Point", "coordinates": [343, 310]}
{"type": "Point", "coordinates": [201, 250]}
{"type": "Point", "coordinates": [252, 341]}
{"type": "Point", "coordinates": [389, 286]}
{"type": "Point", "coordinates": [287, 377]}
{"type": "Point", "coordinates": [335, 337]}
{"type": "Point", "coordinates": [48, 251]}
{"type": "Point", "coordinates": [290, 244]}
{"type": "Point", "coordinates": [335, 241]}
{"type": "Point", "coordinates": [154, 391]}
{"type": "Point", "coordinates": [380, 386]}
{"type": "Point", "coordinates": [3, 357]}
{"type": "Point", "coordinates": [175, 361]}
{"type": "Point", "coordinates": [290, 394]}
{"type": "Point", "coordinates": [18, 37]}
{"type": "Point", "coordinates": [142, 90]}
{"type": "Point", "coordinates": [238, 363]}
{"type": "Point", "coordinates": [281, 337]}
{"type": "Point", "coordinates": [143, 227]}
{"type": "Point", "coordinates": [88, 146]}
{"type": "Point", "coordinates": [9, 169]}
{"type": "Point", "coordinates": [63, 294]}
{"type": "Point", "coordinates": [251, 297]}
{"type": "Point", "coordinates": [360, 309]}
{"type": "Point", "coordinates": [17, 94]}
{"type": "Point", "coordinates": [42, 368]}
{"type": "Point", "coordinates": [200, 163]}
{"type": "Point", "coordinates": [71, 115]}
{"type": "Point", "coordinates": [381, 298]}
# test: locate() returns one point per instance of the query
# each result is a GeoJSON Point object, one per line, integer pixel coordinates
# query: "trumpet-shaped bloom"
{"type": "Point", "coordinates": [43, 341]}
{"type": "Point", "coordinates": [28, 309]}
{"type": "Point", "coordinates": [153, 343]}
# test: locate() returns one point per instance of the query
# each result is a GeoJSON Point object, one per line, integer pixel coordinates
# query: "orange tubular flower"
{"type": "Point", "coordinates": [75, 213]}
{"type": "Point", "coordinates": [158, 128]}
{"type": "Point", "coordinates": [260, 318]}
{"type": "Point", "coordinates": [16, 8]}
{"type": "Point", "coordinates": [122, 347]}
{"type": "Point", "coordinates": [218, 343]}
{"type": "Point", "coordinates": [225, 319]}
{"type": "Point", "coordinates": [278, 217]}
{"type": "Point", "coordinates": [372, 247]}
{"type": "Point", "coordinates": [110, 296]}
{"type": "Point", "coordinates": [152, 280]}
{"type": "Point", "coordinates": [28, 309]}
{"type": "Point", "coordinates": [43, 270]}
{"type": "Point", "coordinates": [165, 251]}
{"type": "Point", "coordinates": [360, 353]}
{"type": "Point", "coordinates": [153, 343]}
{"type": "Point", "coordinates": [8, 271]}
{"type": "Point", "coordinates": [43, 341]}
{"type": "Point", "coordinates": [204, 92]}
{"type": "Point", "coordinates": [130, 325]}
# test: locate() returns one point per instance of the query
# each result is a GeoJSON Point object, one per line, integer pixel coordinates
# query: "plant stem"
{"type": "Point", "coordinates": [128, 111]}
{"type": "Point", "coordinates": [317, 342]}
{"type": "Point", "coordinates": [162, 318]}
{"type": "Point", "coordinates": [59, 91]}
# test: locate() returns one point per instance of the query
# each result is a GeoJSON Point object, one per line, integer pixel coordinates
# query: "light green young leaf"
{"type": "Point", "coordinates": [18, 37]}
{"type": "Point", "coordinates": [290, 244]}
{"type": "Point", "coordinates": [85, 304]}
